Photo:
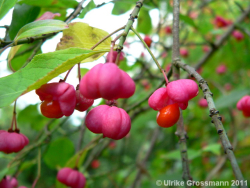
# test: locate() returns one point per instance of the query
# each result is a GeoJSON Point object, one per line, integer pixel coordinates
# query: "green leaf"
{"type": "Point", "coordinates": [5, 6]}
{"type": "Point", "coordinates": [31, 117]}
{"type": "Point", "coordinates": [91, 5]}
{"type": "Point", "coordinates": [175, 155]}
{"type": "Point", "coordinates": [214, 148]}
{"type": "Point", "coordinates": [27, 164]}
{"type": "Point", "coordinates": [58, 152]}
{"type": "Point", "coordinates": [83, 71]}
{"type": "Point", "coordinates": [231, 99]}
{"type": "Point", "coordinates": [79, 156]}
{"type": "Point", "coordinates": [22, 15]}
{"type": "Point", "coordinates": [187, 20]}
{"type": "Point", "coordinates": [19, 55]}
{"type": "Point", "coordinates": [75, 37]}
{"type": "Point", "coordinates": [122, 6]}
{"type": "Point", "coordinates": [50, 3]}
{"type": "Point", "coordinates": [40, 70]}
{"type": "Point", "coordinates": [144, 22]}
{"type": "Point", "coordinates": [3, 172]}
{"type": "Point", "coordinates": [40, 27]}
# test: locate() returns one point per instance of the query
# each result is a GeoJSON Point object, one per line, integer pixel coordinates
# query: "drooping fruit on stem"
{"type": "Point", "coordinates": [107, 81]}
{"type": "Point", "coordinates": [58, 99]}
{"type": "Point", "coordinates": [112, 122]}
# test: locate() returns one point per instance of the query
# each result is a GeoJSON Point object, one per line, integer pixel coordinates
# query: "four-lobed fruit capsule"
{"type": "Point", "coordinates": [111, 121]}
{"type": "Point", "coordinates": [179, 91]}
{"type": "Point", "coordinates": [244, 105]}
{"type": "Point", "coordinates": [9, 182]}
{"type": "Point", "coordinates": [59, 99]}
{"type": "Point", "coordinates": [12, 141]}
{"type": "Point", "coordinates": [107, 81]}
{"type": "Point", "coordinates": [71, 178]}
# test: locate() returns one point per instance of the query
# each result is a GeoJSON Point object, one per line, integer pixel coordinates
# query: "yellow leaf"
{"type": "Point", "coordinates": [82, 35]}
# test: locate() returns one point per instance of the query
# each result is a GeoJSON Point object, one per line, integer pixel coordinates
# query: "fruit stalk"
{"type": "Point", "coordinates": [152, 55]}
{"type": "Point", "coordinates": [216, 120]}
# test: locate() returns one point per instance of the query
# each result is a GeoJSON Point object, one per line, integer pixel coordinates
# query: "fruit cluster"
{"type": "Point", "coordinates": [12, 141]}
{"type": "Point", "coordinates": [59, 99]}
{"type": "Point", "coordinates": [109, 82]}
{"type": "Point", "coordinates": [71, 178]}
{"type": "Point", "coordinates": [105, 81]}
{"type": "Point", "coordinates": [168, 100]}
{"type": "Point", "coordinates": [244, 105]}
{"type": "Point", "coordinates": [9, 182]}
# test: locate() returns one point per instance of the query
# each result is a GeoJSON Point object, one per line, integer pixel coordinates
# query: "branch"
{"type": "Point", "coordinates": [180, 132]}
{"type": "Point", "coordinates": [129, 24]}
{"type": "Point", "coordinates": [75, 13]}
{"type": "Point", "coordinates": [45, 36]}
{"type": "Point", "coordinates": [223, 38]}
{"type": "Point", "coordinates": [216, 119]}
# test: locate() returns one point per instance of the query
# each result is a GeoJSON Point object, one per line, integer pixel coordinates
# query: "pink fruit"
{"type": "Point", "coordinates": [71, 178]}
{"type": "Point", "coordinates": [159, 99]}
{"type": "Point", "coordinates": [4, 183]}
{"type": "Point", "coordinates": [193, 14]}
{"type": "Point", "coordinates": [82, 103]}
{"type": "Point", "coordinates": [179, 91]}
{"type": "Point", "coordinates": [203, 103]}
{"type": "Point", "coordinates": [148, 40]}
{"type": "Point", "coordinates": [168, 30]}
{"type": "Point", "coordinates": [107, 81]}
{"type": "Point", "coordinates": [244, 105]}
{"type": "Point", "coordinates": [112, 122]}
{"type": "Point", "coordinates": [182, 90]}
{"type": "Point", "coordinates": [221, 69]}
{"type": "Point", "coordinates": [164, 54]}
{"type": "Point", "coordinates": [237, 35]}
{"type": "Point", "coordinates": [220, 22]}
{"type": "Point", "coordinates": [145, 83]}
{"type": "Point", "coordinates": [115, 53]}
{"type": "Point", "coordinates": [12, 142]}
{"type": "Point", "coordinates": [184, 52]}
{"type": "Point", "coordinates": [8, 182]}
{"type": "Point", "coordinates": [48, 15]}
{"type": "Point", "coordinates": [59, 99]}
{"type": "Point", "coordinates": [95, 164]}
{"type": "Point", "coordinates": [13, 181]}
{"type": "Point", "coordinates": [227, 86]}
{"type": "Point", "coordinates": [112, 144]}
{"type": "Point", "coordinates": [205, 48]}
{"type": "Point", "coordinates": [168, 67]}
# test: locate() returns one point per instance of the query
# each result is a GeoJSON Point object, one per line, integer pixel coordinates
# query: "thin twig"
{"type": "Point", "coordinates": [38, 168]}
{"type": "Point", "coordinates": [93, 47]}
{"type": "Point", "coordinates": [75, 12]}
